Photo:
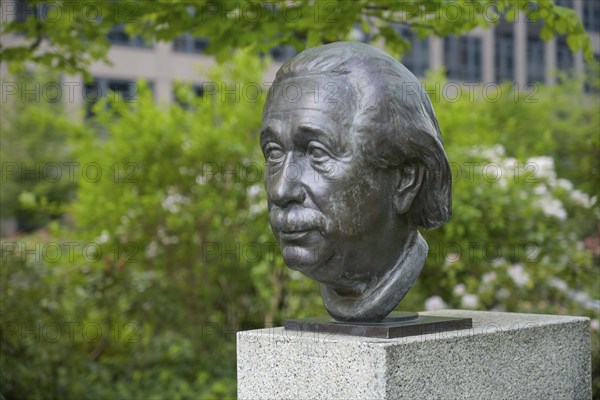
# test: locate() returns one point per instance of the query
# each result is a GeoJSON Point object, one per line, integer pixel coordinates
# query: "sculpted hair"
{"type": "Point", "coordinates": [394, 123]}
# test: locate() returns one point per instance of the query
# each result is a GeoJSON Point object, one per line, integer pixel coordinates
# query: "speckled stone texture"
{"type": "Point", "coordinates": [504, 356]}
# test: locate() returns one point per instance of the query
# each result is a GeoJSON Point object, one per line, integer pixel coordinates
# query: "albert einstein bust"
{"type": "Point", "coordinates": [355, 165]}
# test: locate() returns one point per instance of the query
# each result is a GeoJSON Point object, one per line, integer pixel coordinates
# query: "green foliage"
{"type": "Point", "coordinates": [172, 252]}
{"type": "Point", "coordinates": [33, 150]}
{"type": "Point", "coordinates": [171, 256]}
{"type": "Point", "coordinates": [77, 30]}
{"type": "Point", "coordinates": [525, 196]}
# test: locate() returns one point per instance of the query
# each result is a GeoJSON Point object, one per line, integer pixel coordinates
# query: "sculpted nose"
{"type": "Point", "coordinates": [286, 186]}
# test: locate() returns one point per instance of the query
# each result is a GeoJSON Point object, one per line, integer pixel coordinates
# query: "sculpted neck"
{"type": "Point", "coordinates": [381, 296]}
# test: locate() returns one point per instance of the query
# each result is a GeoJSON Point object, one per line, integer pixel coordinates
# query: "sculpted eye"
{"type": "Point", "coordinates": [318, 153]}
{"type": "Point", "coordinates": [273, 152]}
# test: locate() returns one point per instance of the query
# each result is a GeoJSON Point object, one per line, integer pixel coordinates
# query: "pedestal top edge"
{"type": "Point", "coordinates": [484, 322]}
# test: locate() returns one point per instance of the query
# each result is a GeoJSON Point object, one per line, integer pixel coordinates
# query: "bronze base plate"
{"type": "Point", "coordinates": [396, 325]}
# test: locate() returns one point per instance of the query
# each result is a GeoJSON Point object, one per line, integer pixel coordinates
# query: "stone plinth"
{"type": "Point", "coordinates": [504, 356]}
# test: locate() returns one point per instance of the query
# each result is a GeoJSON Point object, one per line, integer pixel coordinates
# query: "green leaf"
{"type": "Point", "coordinates": [27, 200]}
{"type": "Point", "coordinates": [313, 38]}
{"type": "Point", "coordinates": [574, 42]}
{"type": "Point", "coordinates": [546, 32]}
{"type": "Point", "coordinates": [511, 14]}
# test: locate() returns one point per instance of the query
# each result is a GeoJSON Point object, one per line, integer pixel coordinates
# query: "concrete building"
{"type": "Point", "coordinates": [508, 52]}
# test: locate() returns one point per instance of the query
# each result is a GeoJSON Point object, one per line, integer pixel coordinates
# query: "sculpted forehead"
{"type": "Point", "coordinates": [332, 94]}
{"type": "Point", "coordinates": [324, 103]}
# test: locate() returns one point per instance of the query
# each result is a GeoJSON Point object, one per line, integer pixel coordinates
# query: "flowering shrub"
{"type": "Point", "coordinates": [183, 255]}
{"type": "Point", "coordinates": [525, 210]}
{"type": "Point", "coordinates": [535, 250]}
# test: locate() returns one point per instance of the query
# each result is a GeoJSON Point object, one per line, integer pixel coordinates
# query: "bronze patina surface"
{"type": "Point", "coordinates": [396, 325]}
{"type": "Point", "coordinates": [355, 165]}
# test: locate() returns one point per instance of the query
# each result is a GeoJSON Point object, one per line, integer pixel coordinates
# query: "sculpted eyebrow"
{"type": "Point", "coordinates": [267, 134]}
{"type": "Point", "coordinates": [311, 132]}
{"type": "Point", "coordinates": [312, 128]}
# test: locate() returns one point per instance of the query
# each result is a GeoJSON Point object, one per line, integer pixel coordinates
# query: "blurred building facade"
{"type": "Point", "coordinates": [511, 51]}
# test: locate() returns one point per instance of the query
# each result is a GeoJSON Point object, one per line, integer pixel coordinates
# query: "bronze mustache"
{"type": "Point", "coordinates": [296, 219]}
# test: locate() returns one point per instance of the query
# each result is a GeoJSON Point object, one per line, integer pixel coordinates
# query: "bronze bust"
{"type": "Point", "coordinates": [355, 165]}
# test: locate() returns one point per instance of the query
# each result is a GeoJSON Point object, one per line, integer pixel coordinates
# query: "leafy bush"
{"type": "Point", "coordinates": [33, 150]}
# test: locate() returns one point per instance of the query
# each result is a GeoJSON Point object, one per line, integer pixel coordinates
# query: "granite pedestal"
{"type": "Point", "coordinates": [504, 356]}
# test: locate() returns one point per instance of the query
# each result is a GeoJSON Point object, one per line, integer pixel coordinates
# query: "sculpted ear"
{"type": "Point", "coordinates": [408, 182]}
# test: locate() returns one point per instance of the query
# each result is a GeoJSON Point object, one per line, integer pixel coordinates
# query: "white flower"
{"type": "Point", "coordinates": [552, 208]}
{"type": "Point", "coordinates": [103, 238]}
{"type": "Point", "coordinates": [518, 275]}
{"type": "Point", "coordinates": [559, 284]}
{"type": "Point", "coordinates": [493, 153]}
{"type": "Point", "coordinates": [593, 305]}
{"type": "Point", "coordinates": [509, 163]}
{"type": "Point", "coordinates": [488, 277]}
{"type": "Point", "coordinates": [452, 258]}
{"type": "Point", "coordinates": [257, 208]}
{"type": "Point", "coordinates": [540, 190]}
{"type": "Point", "coordinates": [584, 300]}
{"type": "Point", "coordinates": [502, 294]}
{"type": "Point", "coordinates": [469, 301]}
{"type": "Point", "coordinates": [253, 191]}
{"type": "Point", "coordinates": [564, 183]}
{"type": "Point", "coordinates": [296, 275]}
{"type": "Point", "coordinates": [173, 201]}
{"type": "Point", "coordinates": [579, 297]}
{"type": "Point", "coordinates": [581, 198]}
{"type": "Point", "coordinates": [544, 167]}
{"type": "Point", "coordinates": [201, 179]}
{"type": "Point", "coordinates": [497, 262]}
{"type": "Point", "coordinates": [595, 325]}
{"type": "Point", "coordinates": [459, 289]}
{"type": "Point", "coordinates": [151, 250]}
{"type": "Point", "coordinates": [435, 303]}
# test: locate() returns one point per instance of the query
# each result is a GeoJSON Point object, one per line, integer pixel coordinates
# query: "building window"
{"type": "Point", "coordinates": [564, 3]}
{"type": "Point", "coordinates": [535, 60]}
{"type": "Point", "coordinates": [118, 36]}
{"type": "Point", "coordinates": [591, 15]}
{"type": "Point", "coordinates": [417, 58]}
{"type": "Point", "coordinates": [187, 43]}
{"type": "Point", "coordinates": [181, 97]}
{"type": "Point", "coordinates": [462, 56]}
{"type": "Point", "coordinates": [504, 58]}
{"type": "Point", "coordinates": [565, 61]}
{"type": "Point", "coordinates": [358, 35]}
{"type": "Point", "coordinates": [591, 81]}
{"type": "Point", "coordinates": [282, 53]}
{"type": "Point", "coordinates": [122, 91]}
{"type": "Point", "coordinates": [24, 10]}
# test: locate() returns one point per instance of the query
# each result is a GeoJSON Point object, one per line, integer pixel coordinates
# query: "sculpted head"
{"type": "Point", "coordinates": [355, 165]}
